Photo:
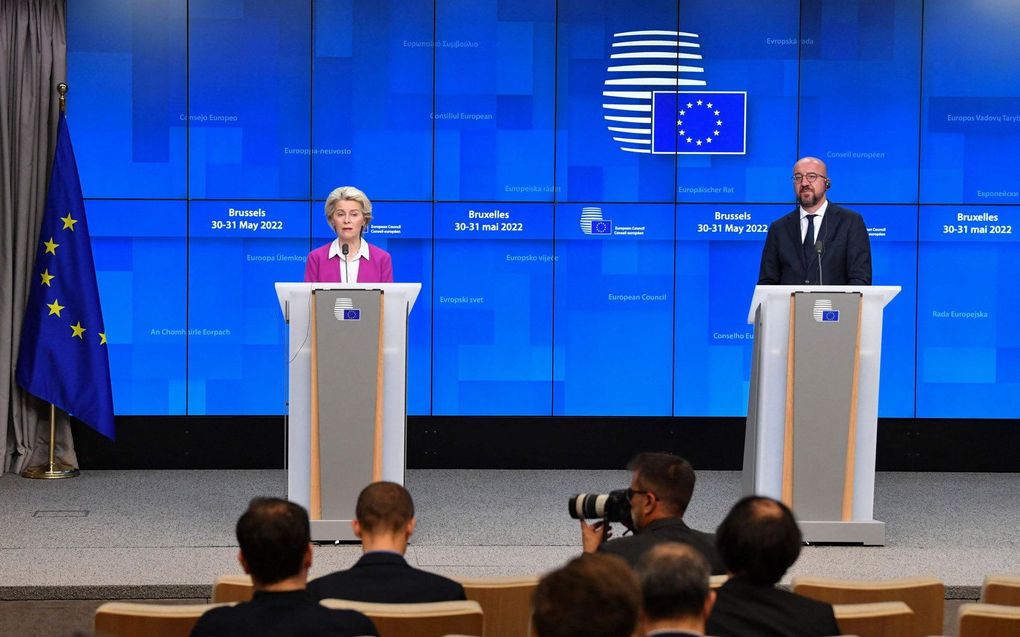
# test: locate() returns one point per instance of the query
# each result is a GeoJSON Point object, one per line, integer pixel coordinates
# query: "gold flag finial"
{"type": "Point", "coordinates": [62, 90]}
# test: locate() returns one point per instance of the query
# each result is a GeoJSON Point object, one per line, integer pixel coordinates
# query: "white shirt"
{"type": "Point", "coordinates": [803, 220]}
{"type": "Point", "coordinates": [352, 265]}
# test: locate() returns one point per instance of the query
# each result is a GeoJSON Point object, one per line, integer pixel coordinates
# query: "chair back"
{"type": "Point", "coordinates": [887, 619]}
{"type": "Point", "coordinates": [124, 619]}
{"type": "Point", "coordinates": [433, 619]}
{"type": "Point", "coordinates": [988, 620]}
{"type": "Point", "coordinates": [232, 588]}
{"type": "Point", "coordinates": [505, 601]}
{"type": "Point", "coordinates": [1001, 589]}
{"type": "Point", "coordinates": [926, 596]}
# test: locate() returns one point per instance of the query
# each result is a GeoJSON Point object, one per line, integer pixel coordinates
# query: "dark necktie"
{"type": "Point", "coordinates": [809, 239]}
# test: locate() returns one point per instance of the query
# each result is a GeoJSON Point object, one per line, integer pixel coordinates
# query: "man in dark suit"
{"type": "Point", "coordinates": [591, 596]}
{"type": "Point", "coordinates": [675, 594]}
{"type": "Point", "coordinates": [759, 540]}
{"type": "Point", "coordinates": [661, 486]}
{"type": "Point", "coordinates": [384, 522]}
{"type": "Point", "coordinates": [818, 231]}
{"type": "Point", "coordinates": [276, 551]}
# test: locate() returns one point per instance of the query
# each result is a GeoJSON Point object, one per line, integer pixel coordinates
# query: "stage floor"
{"type": "Point", "coordinates": [168, 534]}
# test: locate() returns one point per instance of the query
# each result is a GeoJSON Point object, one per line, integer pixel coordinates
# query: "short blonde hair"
{"type": "Point", "coordinates": [348, 193]}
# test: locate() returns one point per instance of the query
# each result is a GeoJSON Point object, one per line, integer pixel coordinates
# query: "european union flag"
{"type": "Point", "coordinates": [699, 122]}
{"type": "Point", "coordinates": [63, 357]}
{"type": "Point", "coordinates": [830, 316]}
{"type": "Point", "coordinates": [602, 226]}
{"type": "Point", "coordinates": [352, 315]}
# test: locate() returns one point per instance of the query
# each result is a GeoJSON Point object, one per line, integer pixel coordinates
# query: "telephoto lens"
{"type": "Point", "coordinates": [611, 507]}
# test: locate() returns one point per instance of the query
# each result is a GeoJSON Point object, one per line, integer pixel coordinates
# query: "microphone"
{"type": "Point", "coordinates": [345, 250]}
{"type": "Point", "coordinates": [819, 249]}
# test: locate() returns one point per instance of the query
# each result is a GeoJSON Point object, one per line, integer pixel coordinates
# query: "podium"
{"type": "Point", "coordinates": [347, 398]}
{"type": "Point", "coordinates": [812, 413]}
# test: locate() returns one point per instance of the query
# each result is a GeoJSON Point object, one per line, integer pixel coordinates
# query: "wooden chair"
{"type": "Point", "coordinates": [988, 620]}
{"type": "Point", "coordinates": [878, 619]}
{"type": "Point", "coordinates": [123, 619]}
{"type": "Point", "coordinates": [232, 588]}
{"type": "Point", "coordinates": [505, 601]}
{"type": "Point", "coordinates": [1001, 589]}
{"type": "Point", "coordinates": [433, 619]}
{"type": "Point", "coordinates": [924, 595]}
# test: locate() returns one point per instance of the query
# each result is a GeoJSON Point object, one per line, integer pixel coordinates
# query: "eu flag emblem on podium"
{"type": "Point", "coordinates": [63, 357]}
{"type": "Point", "coordinates": [699, 122]}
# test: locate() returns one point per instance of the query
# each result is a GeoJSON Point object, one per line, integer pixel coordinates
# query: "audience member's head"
{"type": "Point", "coordinates": [759, 539]}
{"type": "Point", "coordinates": [675, 591]}
{"type": "Point", "coordinates": [591, 596]}
{"type": "Point", "coordinates": [384, 514]}
{"type": "Point", "coordinates": [670, 478]}
{"type": "Point", "coordinates": [275, 540]}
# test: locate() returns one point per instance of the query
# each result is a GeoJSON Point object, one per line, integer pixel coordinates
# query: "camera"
{"type": "Point", "coordinates": [612, 507]}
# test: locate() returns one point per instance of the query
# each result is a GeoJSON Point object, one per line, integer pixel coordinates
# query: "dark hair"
{"type": "Point", "coordinates": [593, 595]}
{"type": "Point", "coordinates": [669, 477]}
{"type": "Point", "coordinates": [274, 535]}
{"type": "Point", "coordinates": [674, 581]}
{"type": "Point", "coordinates": [384, 506]}
{"type": "Point", "coordinates": [759, 539]}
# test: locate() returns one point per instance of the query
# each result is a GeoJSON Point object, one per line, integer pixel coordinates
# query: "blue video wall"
{"type": "Point", "coordinates": [582, 188]}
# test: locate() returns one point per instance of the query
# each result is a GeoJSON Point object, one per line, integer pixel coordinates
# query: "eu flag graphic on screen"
{"type": "Point", "coordinates": [63, 358]}
{"type": "Point", "coordinates": [699, 122]}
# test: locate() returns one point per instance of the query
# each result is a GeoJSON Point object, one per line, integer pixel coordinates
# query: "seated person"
{"type": "Point", "coordinates": [759, 540]}
{"type": "Point", "coordinates": [276, 551]}
{"type": "Point", "coordinates": [675, 594]}
{"type": "Point", "coordinates": [661, 486]}
{"type": "Point", "coordinates": [384, 522]}
{"type": "Point", "coordinates": [591, 596]}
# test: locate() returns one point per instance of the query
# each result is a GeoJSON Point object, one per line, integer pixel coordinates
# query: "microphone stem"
{"type": "Point", "coordinates": [820, 268]}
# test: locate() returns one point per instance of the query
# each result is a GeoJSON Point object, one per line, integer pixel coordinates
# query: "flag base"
{"type": "Point", "coordinates": [54, 469]}
{"type": "Point", "coordinates": [51, 471]}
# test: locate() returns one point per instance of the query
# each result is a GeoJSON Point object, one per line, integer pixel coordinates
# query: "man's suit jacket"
{"type": "Point", "coordinates": [387, 578]}
{"type": "Point", "coordinates": [288, 614]}
{"type": "Point", "coordinates": [632, 547]}
{"type": "Point", "coordinates": [846, 259]}
{"type": "Point", "coordinates": [377, 268]}
{"type": "Point", "coordinates": [744, 608]}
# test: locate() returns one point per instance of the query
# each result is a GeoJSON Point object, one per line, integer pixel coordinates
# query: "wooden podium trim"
{"type": "Point", "coordinates": [787, 491]}
{"type": "Point", "coordinates": [851, 442]}
{"type": "Point", "coordinates": [377, 447]}
{"type": "Point", "coordinates": [315, 482]}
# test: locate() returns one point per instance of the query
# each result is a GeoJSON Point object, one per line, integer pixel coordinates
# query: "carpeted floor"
{"type": "Point", "coordinates": [168, 534]}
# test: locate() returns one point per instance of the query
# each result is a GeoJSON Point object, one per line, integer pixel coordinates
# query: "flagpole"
{"type": "Point", "coordinates": [54, 470]}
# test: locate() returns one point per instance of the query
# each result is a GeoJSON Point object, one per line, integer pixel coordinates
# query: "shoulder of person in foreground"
{"type": "Point", "coordinates": [309, 621]}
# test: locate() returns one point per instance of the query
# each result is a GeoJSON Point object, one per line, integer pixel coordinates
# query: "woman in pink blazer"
{"type": "Point", "coordinates": [348, 258]}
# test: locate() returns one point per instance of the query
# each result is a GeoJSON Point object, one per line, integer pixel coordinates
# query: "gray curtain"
{"type": "Point", "coordinates": [33, 41]}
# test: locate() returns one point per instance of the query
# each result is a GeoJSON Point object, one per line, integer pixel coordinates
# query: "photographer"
{"type": "Point", "coordinates": [661, 487]}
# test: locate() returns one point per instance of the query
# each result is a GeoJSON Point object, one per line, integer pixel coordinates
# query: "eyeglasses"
{"type": "Point", "coordinates": [811, 177]}
{"type": "Point", "coordinates": [632, 492]}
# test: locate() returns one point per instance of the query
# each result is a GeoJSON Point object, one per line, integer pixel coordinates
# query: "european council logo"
{"type": "Point", "coordinates": [648, 112]}
{"type": "Point", "coordinates": [593, 223]}
{"type": "Point", "coordinates": [823, 312]}
{"type": "Point", "coordinates": [344, 310]}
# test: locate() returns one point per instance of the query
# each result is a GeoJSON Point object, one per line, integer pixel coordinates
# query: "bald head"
{"type": "Point", "coordinates": [759, 539]}
{"type": "Point", "coordinates": [810, 164]}
{"type": "Point", "coordinates": [810, 182]}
